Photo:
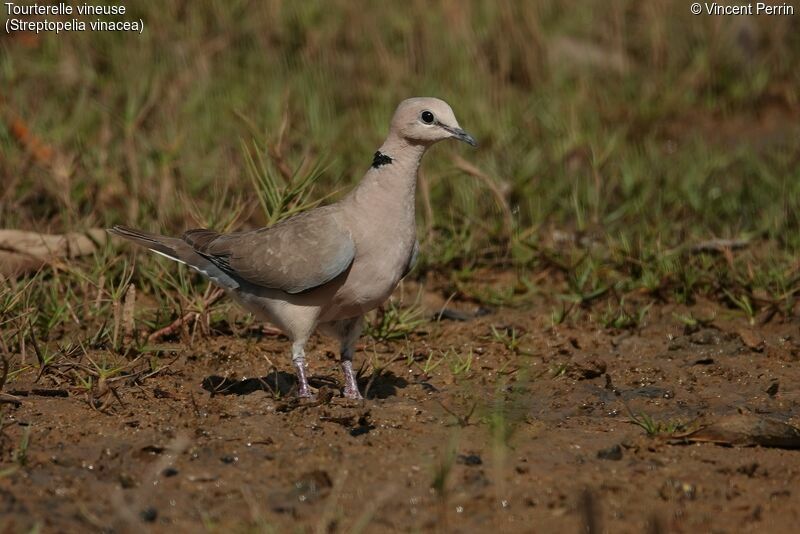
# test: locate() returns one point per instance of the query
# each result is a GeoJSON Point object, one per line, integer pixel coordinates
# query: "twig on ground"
{"type": "Point", "coordinates": [188, 317]}
{"type": "Point", "coordinates": [719, 245]}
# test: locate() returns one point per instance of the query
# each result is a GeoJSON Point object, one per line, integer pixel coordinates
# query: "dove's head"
{"type": "Point", "coordinates": [427, 120]}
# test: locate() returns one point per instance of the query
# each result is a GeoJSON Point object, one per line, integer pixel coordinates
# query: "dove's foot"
{"type": "Point", "coordinates": [303, 389]}
{"type": "Point", "coordinates": [350, 384]}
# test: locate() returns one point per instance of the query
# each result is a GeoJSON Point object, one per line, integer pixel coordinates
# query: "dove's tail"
{"type": "Point", "coordinates": [160, 244]}
{"type": "Point", "coordinates": [178, 250]}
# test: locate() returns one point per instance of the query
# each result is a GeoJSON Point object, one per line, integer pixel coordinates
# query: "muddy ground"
{"type": "Point", "coordinates": [531, 435]}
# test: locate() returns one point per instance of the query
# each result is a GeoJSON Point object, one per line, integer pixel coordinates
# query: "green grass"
{"type": "Point", "coordinates": [622, 317]}
{"type": "Point", "coordinates": [20, 455]}
{"type": "Point", "coordinates": [510, 339]}
{"type": "Point", "coordinates": [655, 427]}
{"type": "Point", "coordinates": [395, 322]}
{"type": "Point", "coordinates": [596, 176]}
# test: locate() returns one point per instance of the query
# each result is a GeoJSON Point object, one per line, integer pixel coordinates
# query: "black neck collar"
{"type": "Point", "coordinates": [380, 159]}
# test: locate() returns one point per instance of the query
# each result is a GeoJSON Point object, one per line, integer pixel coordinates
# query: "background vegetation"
{"type": "Point", "coordinates": [618, 140]}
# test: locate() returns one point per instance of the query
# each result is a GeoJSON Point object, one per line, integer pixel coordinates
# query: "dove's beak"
{"type": "Point", "coordinates": [460, 134]}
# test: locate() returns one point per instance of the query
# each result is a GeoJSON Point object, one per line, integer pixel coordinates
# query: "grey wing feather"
{"type": "Point", "coordinates": [295, 255]}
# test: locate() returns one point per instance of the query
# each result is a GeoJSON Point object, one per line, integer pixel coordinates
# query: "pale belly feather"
{"type": "Point", "coordinates": [370, 282]}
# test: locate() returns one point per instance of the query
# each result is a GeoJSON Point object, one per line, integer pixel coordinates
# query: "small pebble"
{"type": "Point", "coordinates": [469, 459]}
{"type": "Point", "coordinates": [149, 514]}
{"type": "Point", "coordinates": [612, 453]}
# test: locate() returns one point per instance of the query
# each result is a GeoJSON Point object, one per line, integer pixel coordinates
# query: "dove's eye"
{"type": "Point", "coordinates": [427, 117]}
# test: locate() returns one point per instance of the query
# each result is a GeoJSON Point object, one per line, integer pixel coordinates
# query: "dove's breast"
{"type": "Point", "coordinates": [384, 232]}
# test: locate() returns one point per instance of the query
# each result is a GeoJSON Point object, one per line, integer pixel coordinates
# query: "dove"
{"type": "Point", "coordinates": [324, 268]}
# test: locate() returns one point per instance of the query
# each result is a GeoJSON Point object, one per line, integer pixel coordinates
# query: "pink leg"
{"type": "Point", "coordinates": [350, 385]}
{"type": "Point", "coordinates": [303, 389]}
{"type": "Point", "coordinates": [299, 360]}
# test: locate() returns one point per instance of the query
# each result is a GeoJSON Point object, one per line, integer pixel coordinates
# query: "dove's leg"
{"type": "Point", "coordinates": [299, 360]}
{"type": "Point", "coordinates": [350, 331]}
{"type": "Point", "coordinates": [347, 332]}
{"type": "Point", "coordinates": [296, 321]}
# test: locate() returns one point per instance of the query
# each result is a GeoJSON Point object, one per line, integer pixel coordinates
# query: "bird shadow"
{"type": "Point", "coordinates": [276, 383]}
{"type": "Point", "coordinates": [381, 385]}
{"type": "Point", "coordinates": [282, 384]}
